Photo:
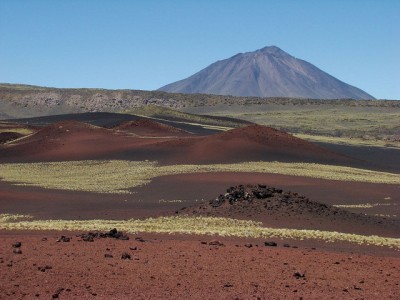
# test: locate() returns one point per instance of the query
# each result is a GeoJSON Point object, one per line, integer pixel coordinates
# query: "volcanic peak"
{"type": "Point", "coordinates": [267, 72]}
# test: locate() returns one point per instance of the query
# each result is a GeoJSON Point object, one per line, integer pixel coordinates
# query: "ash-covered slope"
{"type": "Point", "coordinates": [268, 72]}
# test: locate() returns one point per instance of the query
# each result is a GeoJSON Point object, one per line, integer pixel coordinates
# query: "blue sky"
{"type": "Point", "coordinates": [147, 44]}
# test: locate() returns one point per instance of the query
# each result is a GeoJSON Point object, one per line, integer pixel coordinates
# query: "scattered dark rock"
{"type": "Point", "coordinates": [255, 284]}
{"type": "Point", "coordinates": [215, 243]}
{"type": "Point", "coordinates": [228, 285]}
{"type": "Point", "coordinates": [108, 255]}
{"type": "Point", "coordinates": [88, 238]}
{"type": "Point", "coordinates": [248, 245]}
{"type": "Point", "coordinates": [270, 244]}
{"type": "Point", "coordinates": [17, 245]}
{"type": "Point", "coordinates": [64, 239]}
{"type": "Point", "coordinates": [299, 275]}
{"type": "Point", "coordinates": [357, 288]}
{"type": "Point", "coordinates": [203, 242]}
{"type": "Point", "coordinates": [113, 233]}
{"type": "Point", "coordinates": [125, 256]}
{"type": "Point", "coordinates": [286, 245]}
{"type": "Point", "coordinates": [133, 248]}
{"type": "Point", "coordinates": [44, 268]}
{"type": "Point", "coordinates": [57, 293]}
{"type": "Point", "coordinates": [17, 251]}
{"type": "Point", "coordinates": [139, 239]}
{"type": "Point", "coordinates": [44, 239]}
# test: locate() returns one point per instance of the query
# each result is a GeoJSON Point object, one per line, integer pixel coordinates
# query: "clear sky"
{"type": "Point", "coordinates": [147, 44]}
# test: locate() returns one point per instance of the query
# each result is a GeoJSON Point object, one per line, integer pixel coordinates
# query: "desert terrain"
{"type": "Point", "coordinates": [207, 207]}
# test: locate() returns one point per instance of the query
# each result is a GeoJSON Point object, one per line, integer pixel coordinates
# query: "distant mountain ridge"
{"type": "Point", "coordinates": [267, 72]}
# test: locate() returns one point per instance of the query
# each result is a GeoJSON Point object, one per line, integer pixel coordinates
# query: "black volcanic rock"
{"type": "Point", "coordinates": [268, 72]}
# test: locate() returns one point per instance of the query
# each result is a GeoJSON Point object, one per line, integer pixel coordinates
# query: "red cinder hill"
{"type": "Point", "coordinates": [146, 127]}
{"type": "Point", "coordinates": [251, 143]}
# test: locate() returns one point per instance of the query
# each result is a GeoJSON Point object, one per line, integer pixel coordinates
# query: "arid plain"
{"type": "Point", "coordinates": [206, 207]}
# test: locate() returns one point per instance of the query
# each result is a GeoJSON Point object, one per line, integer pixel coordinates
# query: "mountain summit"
{"type": "Point", "coordinates": [267, 72]}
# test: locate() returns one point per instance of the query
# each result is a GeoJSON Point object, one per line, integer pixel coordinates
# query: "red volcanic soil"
{"type": "Point", "coordinates": [147, 127]}
{"type": "Point", "coordinates": [75, 205]}
{"type": "Point", "coordinates": [186, 267]}
{"type": "Point", "coordinates": [250, 143]}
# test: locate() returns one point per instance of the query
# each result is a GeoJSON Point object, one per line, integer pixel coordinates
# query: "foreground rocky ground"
{"type": "Point", "coordinates": [51, 265]}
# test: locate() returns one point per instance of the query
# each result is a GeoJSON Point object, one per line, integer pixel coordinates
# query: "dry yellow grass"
{"type": "Point", "coordinates": [24, 131]}
{"type": "Point", "coordinates": [117, 176]}
{"type": "Point", "coordinates": [364, 205]}
{"type": "Point", "coordinates": [194, 225]}
{"type": "Point", "coordinates": [349, 141]}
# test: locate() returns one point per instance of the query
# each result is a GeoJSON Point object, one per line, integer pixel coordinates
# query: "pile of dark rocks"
{"type": "Point", "coordinates": [113, 233]}
{"type": "Point", "coordinates": [248, 193]}
{"type": "Point", "coordinates": [265, 198]}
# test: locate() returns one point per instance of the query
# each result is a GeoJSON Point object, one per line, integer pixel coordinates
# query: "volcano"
{"type": "Point", "coordinates": [267, 72]}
